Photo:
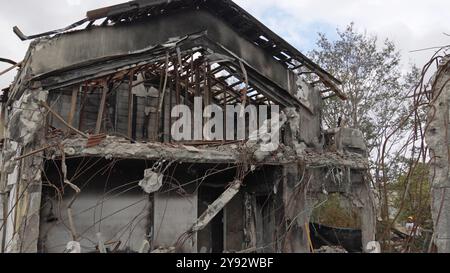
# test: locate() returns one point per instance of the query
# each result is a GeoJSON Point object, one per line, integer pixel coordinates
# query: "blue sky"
{"type": "Point", "coordinates": [302, 36]}
{"type": "Point", "coordinates": [411, 24]}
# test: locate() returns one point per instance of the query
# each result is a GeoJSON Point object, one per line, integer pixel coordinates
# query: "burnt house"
{"type": "Point", "coordinates": [89, 162]}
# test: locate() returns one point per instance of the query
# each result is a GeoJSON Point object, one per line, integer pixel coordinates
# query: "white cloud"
{"type": "Point", "coordinates": [74, 2]}
{"type": "Point", "coordinates": [36, 17]}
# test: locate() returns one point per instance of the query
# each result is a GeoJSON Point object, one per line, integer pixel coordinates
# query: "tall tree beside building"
{"type": "Point", "coordinates": [371, 76]}
{"type": "Point", "coordinates": [379, 99]}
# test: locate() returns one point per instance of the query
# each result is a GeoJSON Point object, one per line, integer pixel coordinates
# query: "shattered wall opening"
{"type": "Point", "coordinates": [138, 103]}
{"type": "Point", "coordinates": [110, 202]}
{"type": "Point", "coordinates": [337, 223]}
{"type": "Point", "coordinates": [114, 203]}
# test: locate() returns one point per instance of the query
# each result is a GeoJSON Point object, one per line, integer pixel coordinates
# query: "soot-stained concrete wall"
{"type": "Point", "coordinates": [174, 216]}
{"type": "Point", "coordinates": [71, 48]}
{"type": "Point", "coordinates": [110, 202]}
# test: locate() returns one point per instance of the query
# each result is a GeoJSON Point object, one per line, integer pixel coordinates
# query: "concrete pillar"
{"type": "Point", "coordinates": [296, 211]}
{"type": "Point", "coordinates": [438, 138]}
{"type": "Point", "coordinates": [2, 220]}
{"type": "Point", "coordinates": [440, 206]}
{"type": "Point", "coordinates": [363, 199]}
{"type": "Point", "coordinates": [28, 205]}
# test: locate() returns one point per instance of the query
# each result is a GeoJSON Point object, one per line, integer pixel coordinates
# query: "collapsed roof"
{"type": "Point", "coordinates": [237, 18]}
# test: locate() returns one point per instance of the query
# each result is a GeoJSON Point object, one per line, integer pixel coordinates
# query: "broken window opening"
{"type": "Point", "coordinates": [188, 76]}
{"type": "Point", "coordinates": [336, 223]}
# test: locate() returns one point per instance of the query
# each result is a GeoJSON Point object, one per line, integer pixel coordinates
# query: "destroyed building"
{"type": "Point", "coordinates": [89, 164]}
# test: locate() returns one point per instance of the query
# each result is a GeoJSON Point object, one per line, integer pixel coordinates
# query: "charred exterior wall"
{"type": "Point", "coordinates": [70, 49]}
{"type": "Point", "coordinates": [174, 215]}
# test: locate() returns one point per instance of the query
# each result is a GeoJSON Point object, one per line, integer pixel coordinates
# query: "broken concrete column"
{"type": "Point", "coordinates": [2, 220]}
{"type": "Point", "coordinates": [25, 134]}
{"type": "Point", "coordinates": [250, 236]}
{"type": "Point", "coordinates": [297, 211]}
{"type": "Point", "coordinates": [352, 140]}
{"type": "Point", "coordinates": [364, 201]}
{"type": "Point", "coordinates": [27, 119]}
{"type": "Point", "coordinates": [437, 138]}
{"type": "Point", "coordinates": [28, 216]}
{"type": "Point", "coordinates": [216, 207]}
